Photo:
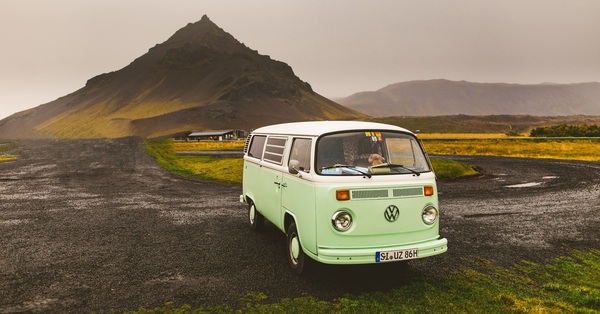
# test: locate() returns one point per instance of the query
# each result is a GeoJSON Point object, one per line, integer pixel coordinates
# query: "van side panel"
{"type": "Point", "coordinates": [298, 197]}
{"type": "Point", "coordinates": [259, 185]}
{"type": "Point", "coordinates": [251, 172]}
{"type": "Point", "coordinates": [268, 193]}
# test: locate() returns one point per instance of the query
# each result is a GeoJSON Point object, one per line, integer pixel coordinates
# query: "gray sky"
{"type": "Point", "coordinates": [51, 48]}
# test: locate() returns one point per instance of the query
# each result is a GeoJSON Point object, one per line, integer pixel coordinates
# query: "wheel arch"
{"type": "Point", "coordinates": [287, 221]}
{"type": "Point", "coordinates": [306, 236]}
{"type": "Point", "coordinates": [248, 199]}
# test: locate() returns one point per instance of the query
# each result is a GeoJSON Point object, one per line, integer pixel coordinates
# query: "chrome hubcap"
{"type": "Point", "coordinates": [251, 214]}
{"type": "Point", "coordinates": [294, 249]}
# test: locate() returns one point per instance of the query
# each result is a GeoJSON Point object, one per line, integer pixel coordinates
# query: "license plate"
{"type": "Point", "coordinates": [398, 255]}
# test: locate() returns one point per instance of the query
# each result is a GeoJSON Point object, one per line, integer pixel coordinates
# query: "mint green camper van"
{"type": "Point", "coordinates": [343, 192]}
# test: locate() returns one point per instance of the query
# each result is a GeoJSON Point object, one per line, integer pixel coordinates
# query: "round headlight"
{"type": "Point", "coordinates": [430, 214]}
{"type": "Point", "coordinates": [341, 220]}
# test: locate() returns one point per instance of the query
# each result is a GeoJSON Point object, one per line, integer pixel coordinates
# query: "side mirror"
{"type": "Point", "coordinates": [293, 166]}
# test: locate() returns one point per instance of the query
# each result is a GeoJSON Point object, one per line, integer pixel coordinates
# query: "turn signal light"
{"type": "Point", "coordinates": [342, 195]}
{"type": "Point", "coordinates": [428, 189]}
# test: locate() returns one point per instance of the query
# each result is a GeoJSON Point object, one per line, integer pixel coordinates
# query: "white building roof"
{"type": "Point", "coordinates": [209, 133]}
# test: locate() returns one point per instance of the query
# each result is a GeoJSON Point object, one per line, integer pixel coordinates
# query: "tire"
{"type": "Point", "coordinates": [256, 219]}
{"type": "Point", "coordinates": [296, 258]}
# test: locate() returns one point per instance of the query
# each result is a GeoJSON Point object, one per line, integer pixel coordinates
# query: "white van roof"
{"type": "Point", "coordinates": [316, 128]}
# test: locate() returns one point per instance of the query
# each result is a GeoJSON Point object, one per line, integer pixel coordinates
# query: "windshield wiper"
{"type": "Point", "coordinates": [368, 175]}
{"type": "Point", "coordinates": [397, 166]}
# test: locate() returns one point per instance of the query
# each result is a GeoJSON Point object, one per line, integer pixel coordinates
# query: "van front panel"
{"type": "Point", "coordinates": [385, 216]}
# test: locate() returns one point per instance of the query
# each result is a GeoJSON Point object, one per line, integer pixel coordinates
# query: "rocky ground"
{"type": "Point", "coordinates": [95, 225]}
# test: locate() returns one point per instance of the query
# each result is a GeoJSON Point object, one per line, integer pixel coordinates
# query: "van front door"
{"type": "Point", "coordinates": [298, 192]}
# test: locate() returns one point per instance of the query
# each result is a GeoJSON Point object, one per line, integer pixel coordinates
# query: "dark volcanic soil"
{"type": "Point", "coordinates": [95, 225]}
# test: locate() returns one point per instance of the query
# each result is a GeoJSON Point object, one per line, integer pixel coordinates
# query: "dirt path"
{"type": "Point", "coordinates": [95, 225]}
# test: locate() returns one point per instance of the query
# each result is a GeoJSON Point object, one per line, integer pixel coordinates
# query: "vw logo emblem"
{"type": "Point", "coordinates": [391, 213]}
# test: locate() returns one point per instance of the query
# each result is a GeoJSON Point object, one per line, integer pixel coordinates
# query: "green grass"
{"type": "Point", "coordinates": [450, 169]}
{"type": "Point", "coordinates": [570, 284]}
{"type": "Point", "coordinates": [206, 167]}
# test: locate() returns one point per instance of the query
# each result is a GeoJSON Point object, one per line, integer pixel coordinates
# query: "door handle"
{"type": "Point", "coordinates": [280, 184]}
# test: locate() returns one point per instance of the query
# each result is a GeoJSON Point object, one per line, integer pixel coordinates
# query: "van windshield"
{"type": "Point", "coordinates": [369, 152]}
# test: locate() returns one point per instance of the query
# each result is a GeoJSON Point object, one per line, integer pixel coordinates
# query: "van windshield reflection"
{"type": "Point", "coordinates": [370, 153]}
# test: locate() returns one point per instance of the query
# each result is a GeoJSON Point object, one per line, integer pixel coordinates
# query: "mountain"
{"type": "Point", "coordinates": [443, 97]}
{"type": "Point", "coordinates": [522, 124]}
{"type": "Point", "coordinates": [201, 78]}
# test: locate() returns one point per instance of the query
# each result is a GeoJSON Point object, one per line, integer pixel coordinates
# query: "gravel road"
{"type": "Point", "coordinates": [95, 225]}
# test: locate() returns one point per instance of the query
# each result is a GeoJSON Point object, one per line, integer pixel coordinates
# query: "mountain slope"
{"type": "Point", "coordinates": [200, 78]}
{"type": "Point", "coordinates": [443, 97]}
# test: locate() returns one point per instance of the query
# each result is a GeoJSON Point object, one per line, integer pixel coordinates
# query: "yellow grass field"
{"type": "Point", "coordinates": [460, 135]}
{"type": "Point", "coordinates": [569, 148]}
{"type": "Point", "coordinates": [230, 169]}
{"type": "Point", "coordinates": [7, 152]}
{"type": "Point", "coordinates": [483, 144]}
{"type": "Point", "coordinates": [7, 158]}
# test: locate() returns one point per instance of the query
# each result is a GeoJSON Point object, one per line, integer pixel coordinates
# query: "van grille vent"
{"type": "Point", "coordinates": [408, 192]}
{"type": "Point", "coordinates": [369, 194]}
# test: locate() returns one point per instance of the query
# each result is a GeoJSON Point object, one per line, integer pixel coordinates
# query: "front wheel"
{"type": "Point", "coordinates": [256, 219]}
{"type": "Point", "coordinates": [297, 259]}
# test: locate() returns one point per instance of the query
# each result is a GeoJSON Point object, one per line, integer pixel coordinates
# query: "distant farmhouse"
{"type": "Point", "coordinates": [214, 135]}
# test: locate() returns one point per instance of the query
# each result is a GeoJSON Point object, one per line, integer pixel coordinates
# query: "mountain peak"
{"type": "Point", "coordinates": [200, 78]}
{"type": "Point", "coordinates": [204, 33]}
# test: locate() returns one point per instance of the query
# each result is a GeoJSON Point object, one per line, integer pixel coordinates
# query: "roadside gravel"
{"type": "Point", "coordinates": [96, 225]}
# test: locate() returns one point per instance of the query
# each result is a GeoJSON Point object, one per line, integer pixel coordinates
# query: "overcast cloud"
{"type": "Point", "coordinates": [51, 48]}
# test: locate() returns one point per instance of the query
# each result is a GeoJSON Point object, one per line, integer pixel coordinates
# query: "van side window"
{"type": "Point", "coordinates": [274, 150]}
{"type": "Point", "coordinates": [257, 146]}
{"type": "Point", "coordinates": [301, 153]}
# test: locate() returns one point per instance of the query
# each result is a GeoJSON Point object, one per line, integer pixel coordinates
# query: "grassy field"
{"type": "Point", "coordinates": [570, 284]}
{"type": "Point", "coordinates": [8, 152]}
{"type": "Point", "coordinates": [7, 158]}
{"type": "Point", "coordinates": [460, 135]}
{"type": "Point", "coordinates": [207, 167]}
{"type": "Point", "coordinates": [586, 149]}
{"type": "Point", "coordinates": [450, 169]}
{"type": "Point", "coordinates": [489, 144]}
{"type": "Point", "coordinates": [230, 169]}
